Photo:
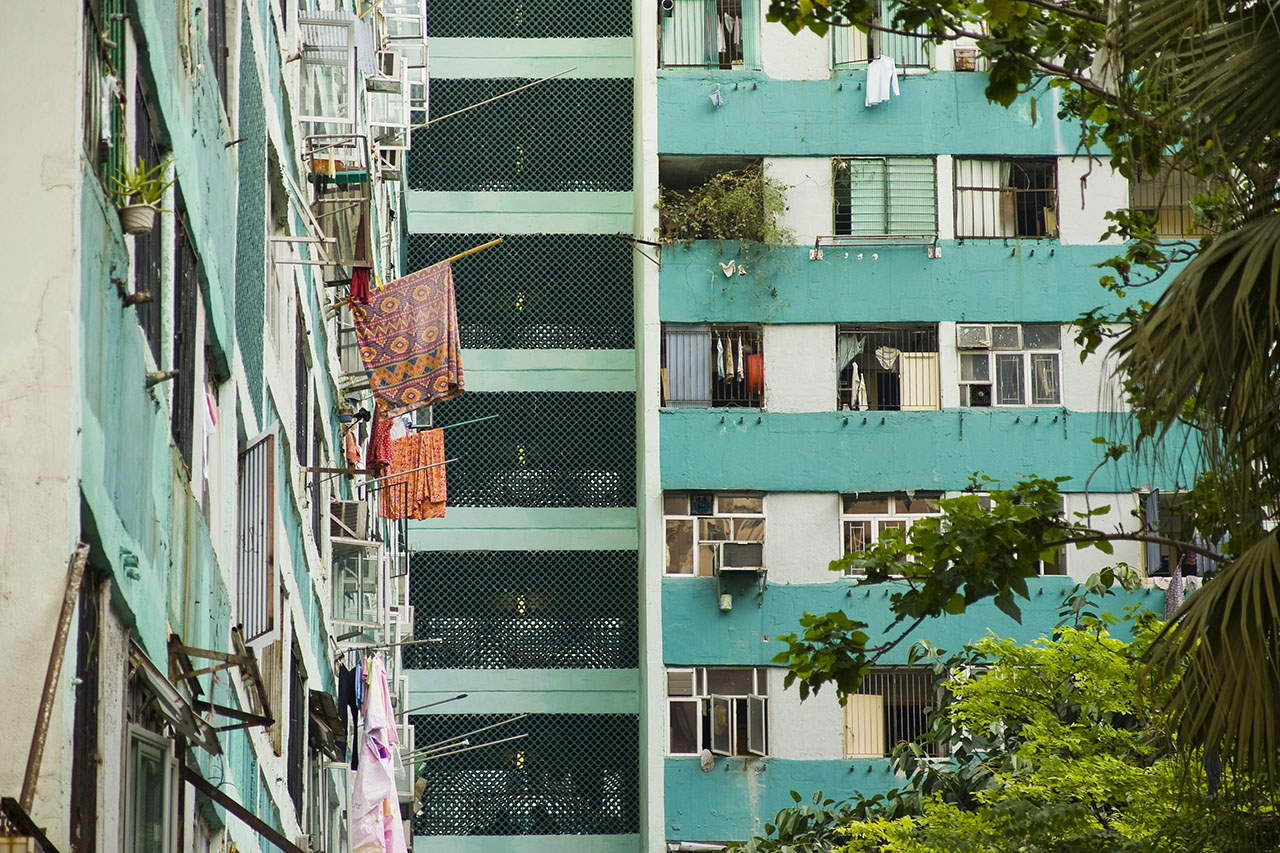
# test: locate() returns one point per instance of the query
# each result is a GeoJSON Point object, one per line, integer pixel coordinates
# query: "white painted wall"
{"type": "Point", "coordinates": [802, 536]}
{"type": "Point", "coordinates": [1091, 385]}
{"type": "Point", "coordinates": [1082, 562]}
{"type": "Point", "coordinates": [1082, 206]}
{"type": "Point", "coordinates": [800, 368]}
{"type": "Point", "coordinates": [783, 56]}
{"type": "Point", "coordinates": [809, 195]}
{"type": "Point", "coordinates": [812, 729]}
{"type": "Point", "coordinates": [39, 384]}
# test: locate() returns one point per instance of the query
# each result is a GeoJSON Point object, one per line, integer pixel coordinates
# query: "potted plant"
{"type": "Point", "coordinates": [138, 195]}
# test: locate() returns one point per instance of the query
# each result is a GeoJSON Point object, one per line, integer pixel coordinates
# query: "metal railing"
{"type": "Point", "coordinates": [712, 366]}
{"type": "Point", "coordinates": [890, 707]}
{"type": "Point", "coordinates": [851, 46]}
{"type": "Point", "coordinates": [1166, 198]}
{"type": "Point", "coordinates": [888, 367]}
{"type": "Point", "coordinates": [1006, 198]}
{"type": "Point", "coordinates": [703, 33]}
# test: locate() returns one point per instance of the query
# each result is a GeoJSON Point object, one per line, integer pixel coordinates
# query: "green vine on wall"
{"type": "Point", "coordinates": [743, 205]}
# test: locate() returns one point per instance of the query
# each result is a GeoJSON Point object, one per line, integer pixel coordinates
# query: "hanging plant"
{"type": "Point", "coordinates": [138, 195]}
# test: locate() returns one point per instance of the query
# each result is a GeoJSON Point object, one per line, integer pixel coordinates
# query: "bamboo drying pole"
{"type": "Point", "coordinates": [470, 251]}
{"type": "Point", "coordinates": [491, 100]}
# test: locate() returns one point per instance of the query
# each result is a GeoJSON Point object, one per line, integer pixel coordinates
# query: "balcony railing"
{"type": "Point", "coordinates": [708, 33]}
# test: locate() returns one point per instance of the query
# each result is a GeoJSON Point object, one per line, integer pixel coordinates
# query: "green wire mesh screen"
{"type": "Point", "coordinates": [537, 291]}
{"type": "Point", "coordinates": [524, 610]}
{"type": "Point", "coordinates": [529, 19]}
{"type": "Point", "coordinates": [564, 135]}
{"type": "Point", "coordinates": [545, 449]}
{"type": "Point", "coordinates": [574, 774]}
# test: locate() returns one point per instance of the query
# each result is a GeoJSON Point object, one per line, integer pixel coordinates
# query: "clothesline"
{"type": "Point", "coordinates": [491, 100]}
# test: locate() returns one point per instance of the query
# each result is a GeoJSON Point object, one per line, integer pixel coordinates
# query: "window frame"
{"type": "Point", "coordinates": [689, 348]}
{"type": "Point", "coordinates": [851, 47]}
{"type": "Point", "coordinates": [877, 523]}
{"type": "Point", "coordinates": [755, 705]}
{"type": "Point", "coordinates": [903, 334]}
{"type": "Point", "coordinates": [716, 513]}
{"type": "Point", "coordinates": [327, 55]}
{"type": "Point", "coordinates": [139, 739]}
{"type": "Point", "coordinates": [842, 183]}
{"type": "Point", "coordinates": [691, 47]}
{"type": "Point", "coordinates": [887, 727]}
{"type": "Point", "coordinates": [1004, 205]}
{"type": "Point", "coordinates": [1028, 358]}
{"type": "Point", "coordinates": [1183, 187]}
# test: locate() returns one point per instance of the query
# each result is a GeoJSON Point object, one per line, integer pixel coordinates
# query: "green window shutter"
{"type": "Point", "coordinates": [866, 196]}
{"type": "Point", "coordinates": [913, 196]}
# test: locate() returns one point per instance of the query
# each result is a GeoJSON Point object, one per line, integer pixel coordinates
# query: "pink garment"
{"type": "Point", "coordinates": [375, 806]}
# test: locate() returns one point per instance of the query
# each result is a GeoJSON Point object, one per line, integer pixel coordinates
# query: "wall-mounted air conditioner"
{"type": "Point", "coordinates": [973, 336]}
{"type": "Point", "coordinates": [349, 519]}
{"type": "Point", "coordinates": [739, 557]}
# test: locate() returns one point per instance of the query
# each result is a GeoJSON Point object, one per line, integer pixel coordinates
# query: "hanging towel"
{"type": "Point", "coordinates": [728, 361]}
{"type": "Point", "coordinates": [719, 357]}
{"type": "Point", "coordinates": [882, 80]}
{"type": "Point", "coordinates": [376, 826]}
{"type": "Point", "coordinates": [360, 286]}
{"type": "Point", "coordinates": [408, 337]}
{"type": "Point", "coordinates": [859, 390]}
{"type": "Point", "coordinates": [742, 366]}
{"type": "Point", "coordinates": [888, 357]}
{"type": "Point", "coordinates": [416, 494]}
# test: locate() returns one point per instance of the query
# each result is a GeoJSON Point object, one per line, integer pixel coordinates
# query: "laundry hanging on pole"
{"type": "Point", "coordinates": [376, 826]}
{"type": "Point", "coordinates": [409, 342]}
{"type": "Point", "coordinates": [421, 490]}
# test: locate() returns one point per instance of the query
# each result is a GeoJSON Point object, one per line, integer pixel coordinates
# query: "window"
{"type": "Point", "coordinates": [148, 249]}
{"type": "Point", "coordinates": [186, 334]}
{"type": "Point", "coordinates": [890, 707]}
{"type": "Point", "coordinates": [708, 530]}
{"type": "Point", "coordinates": [723, 710]}
{"type": "Point", "coordinates": [298, 713]}
{"type": "Point", "coordinates": [301, 391]}
{"type": "Point", "coordinates": [1009, 364]}
{"type": "Point", "coordinates": [216, 22]}
{"type": "Point", "coordinates": [708, 33]}
{"type": "Point", "coordinates": [150, 799]}
{"type": "Point", "coordinates": [888, 367]}
{"type": "Point", "coordinates": [405, 34]}
{"type": "Point", "coordinates": [356, 585]}
{"type": "Point", "coordinates": [106, 36]}
{"type": "Point", "coordinates": [1167, 198]}
{"type": "Point", "coordinates": [1163, 515]}
{"type": "Point", "coordinates": [885, 197]}
{"type": "Point", "coordinates": [328, 72]}
{"type": "Point", "coordinates": [389, 102]}
{"type": "Point", "coordinates": [866, 516]}
{"type": "Point", "coordinates": [851, 46]}
{"type": "Point", "coordinates": [712, 365]}
{"type": "Point", "coordinates": [1006, 198]}
{"type": "Point", "coordinates": [255, 583]}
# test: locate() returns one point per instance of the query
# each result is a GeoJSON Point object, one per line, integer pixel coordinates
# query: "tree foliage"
{"type": "Point", "coordinates": [1187, 86]}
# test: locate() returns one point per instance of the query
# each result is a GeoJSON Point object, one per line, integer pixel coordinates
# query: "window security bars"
{"type": "Point", "coordinates": [1166, 198]}
{"type": "Point", "coordinates": [185, 338]}
{"type": "Point", "coordinates": [712, 366]}
{"type": "Point", "coordinates": [851, 47]}
{"type": "Point", "coordinates": [1009, 364]}
{"type": "Point", "coordinates": [1006, 198]}
{"type": "Point", "coordinates": [148, 249]}
{"type": "Point", "coordinates": [886, 197]}
{"type": "Point", "coordinates": [723, 710]}
{"type": "Point", "coordinates": [573, 774]}
{"type": "Point", "coordinates": [888, 367]}
{"type": "Point", "coordinates": [865, 517]}
{"type": "Point", "coordinates": [707, 530]}
{"type": "Point", "coordinates": [216, 15]}
{"type": "Point", "coordinates": [707, 33]}
{"type": "Point", "coordinates": [301, 392]}
{"type": "Point", "coordinates": [890, 707]}
{"type": "Point", "coordinates": [255, 558]}
{"type": "Point", "coordinates": [298, 708]}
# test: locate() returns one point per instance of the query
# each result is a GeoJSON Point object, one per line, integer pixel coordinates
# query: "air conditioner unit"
{"type": "Point", "coordinates": [973, 336]}
{"type": "Point", "coordinates": [680, 682]}
{"type": "Point", "coordinates": [740, 556]}
{"type": "Point", "coordinates": [349, 519]}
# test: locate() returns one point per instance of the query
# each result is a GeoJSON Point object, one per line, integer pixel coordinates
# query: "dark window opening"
{"type": "Point", "coordinates": [216, 12]}
{"type": "Point", "coordinates": [893, 367]}
{"type": "Point", "coordinates": [1006, 198]}
{"type": "Point", "coordinates": [712, 366]}
{"type": "Point", "coordinates": [185, 334]}
{"type": "Point", "coordinates": [148, 249]}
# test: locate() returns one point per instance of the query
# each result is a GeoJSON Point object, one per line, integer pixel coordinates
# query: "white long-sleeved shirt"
{"type": "Point", "coordinates": [882, 80]}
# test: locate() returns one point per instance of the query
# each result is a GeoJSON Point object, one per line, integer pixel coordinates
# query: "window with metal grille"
{"type": "Point", "coordinates": [185, 336]}
{"type": "Point", "coordinates": [537, 291]}
{"type": "Point", "coordinates": [888, 367]}
{"type": "Point", "coordinates": [708, 530]}
{"type": "Point", "coordinates": [712, 365]}
{"type": "Point", "coordinates": [215, 13]}
{"type": "Point", "coordinates": [890, 707]}
{"type": "Point", "coordinates": [1009, 364]}
{"type": "Point", "coordinates": [720, 709]}
{"type": "Point", "coordinates": [255, 534]}
{"type": "Point", "coordinates": [851, 46]}
{"type": "Point", "coordinates": [545, 449]}
{"type": "Point", "coordinates": [298, 699]}
{"type": "Point", "coordinates": [106, 27]}
{"type": "Point", "coordinates": [524, 610]}
{"type": "Point", "coordinates": [1167, 199]}
{"type": "Point", "coordinates": [530, 19]}
{"type": "Point", "coordinates": [572, 774]}
{"type": "Point", "coordinates": [1168, 515]}
{"type": "Point", "coordinates": [148, 249]}
{"type": "Point", "coordinates": [301, 391]}
{"type": "Point", "coordinates": [1015, 197]}
{"type": "Point", "coordinates": [565, 135]}
{"type": "Point", "coordinates": [864, 517]}
{"type": "Point", "coordinates": [708, 33]}
{"type": "Point", "coordinates": [886, 197]}
{"type": "Point", "coordinates": [317, 483]}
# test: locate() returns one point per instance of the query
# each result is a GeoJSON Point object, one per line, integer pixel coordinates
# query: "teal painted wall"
{"type": "Point", "coordinates": [735, 799]}
{"type": "Point", "coordinates": [939, 113]}
{"type": "Point", "coordinates": [744, 636]}
{"type": "Point", "coordinates": [1015, 281]}
{"type": "Point", "coordinates": [883, 451]}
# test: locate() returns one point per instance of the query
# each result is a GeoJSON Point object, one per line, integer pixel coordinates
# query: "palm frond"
{"type": "Point", "coordinates": [1225, 644]}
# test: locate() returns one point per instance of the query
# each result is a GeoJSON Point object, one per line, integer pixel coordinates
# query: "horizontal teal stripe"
{"type": "Point", "coordinates": [518, 212]}
{"type": "Point", "coordinates": [531, 58]}
{"type": "Point", "coordinates": [531, 691]}
{"type": "Point", "coordinates": [526, 529]}
{"type": "Point", "coordinates": [939, 113]}
{"type": "Point", "coordinates": [978, 281]}
{"type": "Point", "coordinates": [550, 370]}
{"type": "Point", "coordinates": [744, 636]}
{"type": "Point", "coordinates": [883, 451]}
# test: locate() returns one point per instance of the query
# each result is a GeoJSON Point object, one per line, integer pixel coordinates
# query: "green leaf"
{"type": "Point", "coordinates": [955, 604]}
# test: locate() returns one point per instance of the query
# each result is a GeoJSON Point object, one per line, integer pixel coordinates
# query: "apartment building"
{"type": "Point", "coordinates": [185, 565]}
